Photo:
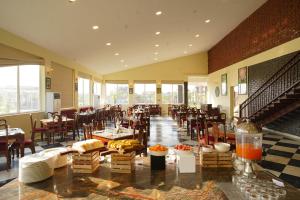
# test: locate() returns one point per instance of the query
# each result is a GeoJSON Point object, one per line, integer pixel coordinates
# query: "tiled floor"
{"type": "Point", "coordinates": [282, 159]}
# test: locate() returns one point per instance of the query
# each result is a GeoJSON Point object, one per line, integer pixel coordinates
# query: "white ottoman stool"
{"type": "Point", "coordinates": [61, 160]}
{"type": "Point", "coordinates": [36, 167]}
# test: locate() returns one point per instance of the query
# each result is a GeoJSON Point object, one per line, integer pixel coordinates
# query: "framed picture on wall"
{"type": "Point", "coordinates": [224, 84]}
{"type": "Point", "coordinates": [48, 83]}
{"type": "Point", "coordinates": [130, 90]}
{"type": "Point", "coordinates": [76, 86]}
{"type": "Point", "coordinates": [242, 80]}
{"type": "Point", "coordinates": [158, 90]}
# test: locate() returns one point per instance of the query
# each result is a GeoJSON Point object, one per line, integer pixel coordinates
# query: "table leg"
{"type": "Point", "coordinates": [73, 129]}
{"type": "Point", "coordinates": [21, 142]}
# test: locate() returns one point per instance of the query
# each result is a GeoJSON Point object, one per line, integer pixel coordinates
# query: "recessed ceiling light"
{"type": "Point", "coordinates": [158, 13]}
{"type": "Point", "coordinates": [95, 27]}
{"type": "Point", "coordinates": [108, 44]}
{"type": "Point", "coordinates": [155, 53]}
{"type": "Point", "coordinates": [197, 35]}
{"type": "Point", "coordinates": [155, 58]}
{"type": "Point", "coordinates": [190, 45]}
{"type": "Point", "coordinates": [157, 33]}
{"type": "Point", "coordinates": [116, 54]}
{"type": "Point", "coordinates": [122, 61]}
{"type": "Point", "coordinates": [157, 45]}
{"type": "Point", "coordinates": [125, 65]}
{"type": "Point", "coordinates": [185, 52]}
{"type": "Point", "coordinates": [72, 1]}
{"type": "Point", "coordinates": [207, 21]}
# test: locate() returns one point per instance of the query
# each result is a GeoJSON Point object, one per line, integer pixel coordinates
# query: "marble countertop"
{"type": "Point", "coordinates": [141, 184]}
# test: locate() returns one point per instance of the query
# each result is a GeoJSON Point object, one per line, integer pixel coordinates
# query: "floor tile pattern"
{"type": "Point", "coordinates": [282, 158]}
{"type": "Point", "coordinates": [282, 154]}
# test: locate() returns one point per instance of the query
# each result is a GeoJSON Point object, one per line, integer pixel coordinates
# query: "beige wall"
{"type": "Point", "coordinates": [62, 80]}
{"type": "Point", "coordinates": [176, 70]}
{"type": "Point", "coordinates": [232, 73]}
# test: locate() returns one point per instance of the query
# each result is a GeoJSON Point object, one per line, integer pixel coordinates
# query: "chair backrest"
{"type": "Point", "coordinates": [3, 126]}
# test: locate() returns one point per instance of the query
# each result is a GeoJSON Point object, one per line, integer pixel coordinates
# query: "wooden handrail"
{"type": "Point", "coordinates": [281, 78]}
{"type": "Point", "coordinates": [264, 86]}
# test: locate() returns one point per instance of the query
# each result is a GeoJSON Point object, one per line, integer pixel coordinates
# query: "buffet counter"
{"type": "Point", "coordinates": [143, 183]}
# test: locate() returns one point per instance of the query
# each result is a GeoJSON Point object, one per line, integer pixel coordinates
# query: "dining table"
{"type": "Point", "coordinates": [111, 134]}
{"type": "Point", "coordinates": [15, 134]}
{"type": "Point", "coordinates": [45, 122]}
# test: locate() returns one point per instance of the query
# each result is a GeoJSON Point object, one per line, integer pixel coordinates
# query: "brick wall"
{"type": "Point", "coordinates": [274, 23]}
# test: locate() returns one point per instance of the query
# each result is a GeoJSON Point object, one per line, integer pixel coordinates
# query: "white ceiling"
{"type": "Point", "coordinates": [130, 26]}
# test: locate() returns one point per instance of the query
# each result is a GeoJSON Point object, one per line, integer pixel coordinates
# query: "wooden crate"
{"type": "Point", "coordinates": [85, 163]}
{"type": "Point", "coordinates": [215, 159]}
{"type": "Point", "coordinates": [122, 163]}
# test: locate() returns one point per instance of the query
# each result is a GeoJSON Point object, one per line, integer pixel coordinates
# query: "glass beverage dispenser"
{"type": "Point", "coordinates": [248, 146]}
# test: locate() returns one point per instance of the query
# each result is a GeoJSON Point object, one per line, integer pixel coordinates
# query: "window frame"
{"type": "Point", "coordinates": [172, 98]}
{"type": "Point", "coordinates": [144, 85]}
{"type": "Point", "coordinates": [18, 90]}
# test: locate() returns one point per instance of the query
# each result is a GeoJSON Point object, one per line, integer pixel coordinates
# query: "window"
{"type": "Point", "coordinates": [144, 93]}
{"type": "Point", "coordinates": [116, 93]}
{"type": "Point", "coordinates": [172, 93]}
{"type": "Point", "coordinates": [19, 89]}
{"type": "Point", "coordinates": [197, 93]}
{"type": "Point", "coordinates": [97, 88]}
{"type": "Point", "coordinates": [83, 92]}
{"type": "Point", "coordinates": [97, 94]}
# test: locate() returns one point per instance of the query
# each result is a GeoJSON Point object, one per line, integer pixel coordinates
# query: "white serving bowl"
{"type": "Point", "coordinates": [222, 147]}
{"type": "Point", "coordinates": [207, 148]}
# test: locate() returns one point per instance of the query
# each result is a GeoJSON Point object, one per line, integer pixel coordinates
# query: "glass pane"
{"type": "Point", "coordinates": [150, 93]}
{"type": "Point", "coordinates": [83, 92]}
{"type": "Point", "coordinates": [86, 92]}
{"type": "Point", "coordinates": [144, 93]}
{"type": "Point", "coordinates": [29, 76]}
{"type": "Point", "coordinates": [8, 90]}
{"type": "Point", "coordinates": [197, 93]}
{"type": "Point", "coordinates": [166, 92]}
{"type": "Point", "coordinates": [111, 93]}
{"type": "Point", "coordinates": [122, 94]}
{"type": "Point", "coordinates": [80, 92]}
{"type": "Point", "coordinates": [97, 88]}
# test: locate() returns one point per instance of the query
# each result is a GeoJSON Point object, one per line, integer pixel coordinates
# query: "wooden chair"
{"type": "Point", "coordinates": [4, 146]}
{"type": "Point", "coordinates": [34, 129]}
{"type": "Point", "coordinates": [28, 143]}
{"type": "Point", "coordinates": [87, 131]}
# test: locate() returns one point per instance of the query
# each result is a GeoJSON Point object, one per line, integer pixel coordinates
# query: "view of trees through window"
{"type": "Point", "coordinates": [116, 93]}
{"type": "Point", "coordinates": [19, 89]}
{"type": "Point", "coordinates": [197, 93]}
{"type": "Point", "coordinates": [172, 93]}
{"type": "Point", "coordinates": [144, 93]}
{"type": "Point", "coordinates": [83, 92]}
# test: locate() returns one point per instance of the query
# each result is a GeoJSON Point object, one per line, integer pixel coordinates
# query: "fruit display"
{"type": "Point", "coordinates": [124, 144]}
{"type": "Point", "coordinates": [158, 147]}
{"type": "Point", "coordinates": [183, 147]}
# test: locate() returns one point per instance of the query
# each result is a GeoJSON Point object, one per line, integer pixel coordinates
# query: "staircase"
{"type": "Point", "coordinates": [289, 123]}
{"type": "Point", "coordinates": [277, 97]}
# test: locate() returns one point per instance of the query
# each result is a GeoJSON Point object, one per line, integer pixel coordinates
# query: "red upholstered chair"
{"type": "Point", "coordinates": [4, 143]}
{"type": "Point", "coordinates": [34, 129]}
{"type": "Point", "coordinates": [84, 109]}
